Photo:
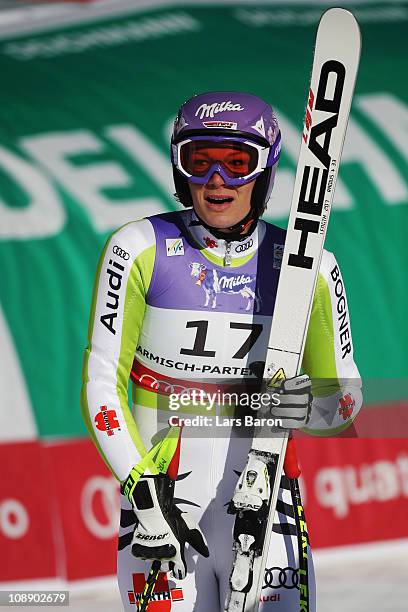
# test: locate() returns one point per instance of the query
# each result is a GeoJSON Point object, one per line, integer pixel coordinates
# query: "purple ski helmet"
{"type": "Point", "coordinates": [222, 115]}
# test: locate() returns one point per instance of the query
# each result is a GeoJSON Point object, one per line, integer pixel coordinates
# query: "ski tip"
{"type": "Point", "coordinates": [339, 24]}
{"type": "Point", "coordinates": [339, 17]}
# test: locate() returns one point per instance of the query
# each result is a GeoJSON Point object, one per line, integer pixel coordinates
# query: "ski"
{"type": "Point", "coordinates": [334, 71]}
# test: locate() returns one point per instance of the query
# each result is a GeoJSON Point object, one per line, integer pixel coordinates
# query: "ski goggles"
{"type": "Point", "coordinates": [237, 160]}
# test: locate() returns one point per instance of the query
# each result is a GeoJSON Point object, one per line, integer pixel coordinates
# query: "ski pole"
{"type": "Point", "coordinates": [149, 586]}
{"type": "Point", "coordinates": [153, 575]}
{"type": "Point", "coordinates": [292, 471]}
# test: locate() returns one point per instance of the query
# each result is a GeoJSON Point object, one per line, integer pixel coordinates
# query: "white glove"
{"type": "Point", "coordinates": [162, 529]}
{"type": "Point", "coordinates": [295, 395]}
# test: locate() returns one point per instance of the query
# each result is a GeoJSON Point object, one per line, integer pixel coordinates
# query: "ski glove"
{"type": "Point", "coordinates": [162, 529]}
{"type": "Point", "coordinates": [295, 402]}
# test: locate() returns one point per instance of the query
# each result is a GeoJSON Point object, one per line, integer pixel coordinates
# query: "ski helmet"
{"type": "Point", "coordinates": [243, 120]}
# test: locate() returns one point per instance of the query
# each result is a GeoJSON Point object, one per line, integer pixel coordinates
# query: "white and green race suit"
{"type": "Point", "coordinates": [177, 309]}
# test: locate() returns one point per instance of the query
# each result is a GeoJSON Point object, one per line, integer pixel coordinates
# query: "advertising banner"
{"type": "Point", "coordinates": [87, 500]}
{"type": "Point", "coordinates": [29, 523]}
{"type": "Point", "coordinates": [64, 522]}
{"type": "Point", "coordinates": [356, 490]}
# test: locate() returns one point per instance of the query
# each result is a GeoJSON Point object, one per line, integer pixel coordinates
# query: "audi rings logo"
{"type": "Point", "coordinates": [118, 251]}
{"type": "Point", "coordinates": [100, 506]}
{"type": "Point", "coordinates": [165, 387]}
{"type": "Point", "coordinates": [281, 577]}
{"type": "Point", "coordinates": [240, 248]}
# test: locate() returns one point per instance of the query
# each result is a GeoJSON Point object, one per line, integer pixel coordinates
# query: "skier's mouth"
{"type": "Point", "coordinates": [219, 201]}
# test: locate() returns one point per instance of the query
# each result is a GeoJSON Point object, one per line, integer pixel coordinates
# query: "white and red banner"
{"type": "Point", "coordinates": [87, 500]}
{"type": "Point", "coordinates": [356, 490]}
{"type": "Point", "coordinates": [27, 521]}
{"type": "Point", "coordinates": [59, 506]}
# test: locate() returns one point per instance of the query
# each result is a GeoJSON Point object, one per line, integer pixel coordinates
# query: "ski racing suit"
{"type": "Point", "coordinates": [174, 306]}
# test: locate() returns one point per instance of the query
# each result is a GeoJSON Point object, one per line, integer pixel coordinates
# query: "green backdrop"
{"type": "Point", "coordinates": [84, 125]}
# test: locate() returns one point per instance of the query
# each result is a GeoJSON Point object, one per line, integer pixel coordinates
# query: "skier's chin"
{"type": "Point", "coordinates": [222, 215]}
{"type": "Point", "coordinates": [220, 219]}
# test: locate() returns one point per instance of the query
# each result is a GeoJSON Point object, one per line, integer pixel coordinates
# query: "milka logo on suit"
{"type": "Point", "coordinates": [214, 282]}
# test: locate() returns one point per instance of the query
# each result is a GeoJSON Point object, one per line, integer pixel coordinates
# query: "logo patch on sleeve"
{"type": "Point", "coordinates": [174, 246]}
{"type": "Point", "coordinates": [346, 408]}
{"type": "Point", "coordinates": [107, 420]}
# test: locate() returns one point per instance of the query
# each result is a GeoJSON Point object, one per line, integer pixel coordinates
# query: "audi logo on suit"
{"type": "Point", "coordinates": [120, 252]}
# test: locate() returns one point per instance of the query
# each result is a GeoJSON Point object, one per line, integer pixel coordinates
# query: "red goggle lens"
{"type": "Point", "coordinates": [237, 159]}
